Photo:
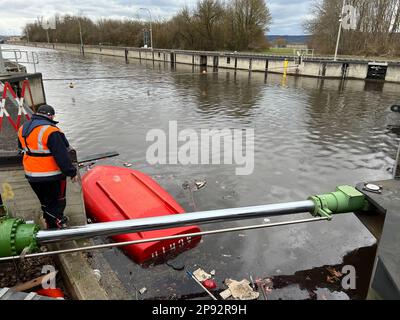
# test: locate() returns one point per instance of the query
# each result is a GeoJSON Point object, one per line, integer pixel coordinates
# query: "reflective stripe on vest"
{"type": "Point", "coordinates": [42, 174]}
{"type": "Point", "coordinates": [38, 160]}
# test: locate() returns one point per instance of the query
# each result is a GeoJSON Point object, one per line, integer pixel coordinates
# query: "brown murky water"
{"type": "Point", "coordinates": [310, 136]}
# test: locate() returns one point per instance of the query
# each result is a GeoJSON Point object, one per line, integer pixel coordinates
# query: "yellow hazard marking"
{"type": "Point", "coordinates": [285, 67]}
{"type": "Point", "coordinates": [7, 192]}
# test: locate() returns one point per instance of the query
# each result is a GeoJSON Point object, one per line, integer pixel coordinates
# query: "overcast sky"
{"type": "Point", "coordinates": [287, 15]}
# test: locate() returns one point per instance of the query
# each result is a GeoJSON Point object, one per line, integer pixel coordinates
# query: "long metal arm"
{"type": "Point", "coordinates": [196, 234]}
{"type": "Point", "coordinates": [175, 220]}
{"type": "Point", "coordinates": [16, 235]}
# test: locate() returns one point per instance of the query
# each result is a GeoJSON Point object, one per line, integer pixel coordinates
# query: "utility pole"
{"type": "Point", "coordinates": [151, 28]}
{"type": "Point", "coordinates": [340, 31]}
{"type": "Point", "coordinates": [47, 33]}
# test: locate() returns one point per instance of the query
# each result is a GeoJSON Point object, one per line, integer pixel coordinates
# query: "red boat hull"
{"type": "Point", "coordinates": [114, 194]}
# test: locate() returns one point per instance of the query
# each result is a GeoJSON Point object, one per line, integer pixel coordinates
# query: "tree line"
{"type": "Point", "coordinates": [377, 32]}
{"type": "Point", "coordinates": [212, 25]}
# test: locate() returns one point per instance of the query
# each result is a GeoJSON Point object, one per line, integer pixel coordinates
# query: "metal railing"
{"type": "Point", "coordinates": [21, 57]}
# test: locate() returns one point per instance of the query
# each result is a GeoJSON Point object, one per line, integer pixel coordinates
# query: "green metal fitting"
{"type": "Point", "coordinates": [344, 199]}
{"type": "Point", "coordinates": [16, 235]}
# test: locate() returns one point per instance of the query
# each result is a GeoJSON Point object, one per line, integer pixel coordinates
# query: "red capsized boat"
{"type": "Point", "coordinates": [113, 193]}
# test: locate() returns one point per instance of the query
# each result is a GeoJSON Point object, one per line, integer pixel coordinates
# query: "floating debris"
{"type": "Point", "coordinates": [266, 220]}
{"type": "Point", "coordinates": [227, 255]}
{"type": "Point", "coordinates": [265, 285]}
{"type": "Point", "coordinates": [71, 85]}
{"type": "Point", "coordinates": [200, 284]}
{"type": "Point", "coordinates": [242, 235]}
{"type": "Point", "coordinates": [194, 185]}
{"type": "Point", "coordinates": [143, 290]}
{"type": "Point", "coordinates": [201, 275]}
{"type": "Point", "coordinates": [225, 294]}
{"type": "Point", "coordinates": [212, 272]}
{"type": "Point", "coordinates": [127, 164]}
{"type": "Point", "coordinates": [241, 290]}
{"type": "Point", "coordinates": [209, 284]}
{"type": "Point", "coordinates": [252, 283]}
{"type": "Point", "coordinates": [97, 274]}
{"type": "Point", "coordinates": [200, 184]}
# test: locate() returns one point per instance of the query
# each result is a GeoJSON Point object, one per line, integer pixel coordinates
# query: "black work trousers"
{"type": "Point", "coordinates": [52, 198]}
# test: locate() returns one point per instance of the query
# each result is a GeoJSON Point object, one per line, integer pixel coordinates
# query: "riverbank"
{"type": "Point", "coordinates": [302, 65]}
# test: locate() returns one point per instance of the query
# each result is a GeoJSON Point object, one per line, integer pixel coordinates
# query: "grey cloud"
{"type": "Point", "coordinates": [288, 15]}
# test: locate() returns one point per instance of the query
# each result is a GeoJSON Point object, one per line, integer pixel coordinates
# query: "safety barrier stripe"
{"type": "Point", "coordinates": [20, 102]}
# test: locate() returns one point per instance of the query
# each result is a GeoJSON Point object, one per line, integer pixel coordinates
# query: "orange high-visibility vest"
{"type": "Point", "coordinates": [38, 161]}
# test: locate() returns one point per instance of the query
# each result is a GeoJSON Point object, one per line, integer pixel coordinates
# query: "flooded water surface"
{"type": "Point", "coordinates": [310, 136]}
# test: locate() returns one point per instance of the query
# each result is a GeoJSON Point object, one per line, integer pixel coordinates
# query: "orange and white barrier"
{"type": "Point", "coordinates": [20, 102]}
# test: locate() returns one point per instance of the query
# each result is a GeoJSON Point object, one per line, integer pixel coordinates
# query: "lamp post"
{"type": "Point", "coordinates": [340, 30]}
{"type": "Point", "coordinates": [151, 29]}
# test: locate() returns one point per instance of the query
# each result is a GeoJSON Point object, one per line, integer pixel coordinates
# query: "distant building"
{"type": "Point", "coordinates": [14, 39]}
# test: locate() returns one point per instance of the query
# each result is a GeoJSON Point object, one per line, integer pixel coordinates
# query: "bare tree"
{"type": "Point", "coordinates": [212, 25]}
{"type": "Point", "coordinates": [377, 30]}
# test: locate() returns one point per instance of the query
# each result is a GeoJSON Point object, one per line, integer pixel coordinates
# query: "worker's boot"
{"type": "Point", "coordinates": [54, 222]}
{"type": "Point", "coordinates": [62, 223]}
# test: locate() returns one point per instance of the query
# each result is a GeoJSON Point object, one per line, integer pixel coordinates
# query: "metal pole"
{"type": "Point", "coordinates": [151, 35]}
{"type": "Point", "coordinates": [191, 235]}
{"type": "Point", "coordinates": [340, 31]}
{"type": "Point", "coordinates": [151, 27]}
{"type": "Point", "coordinates": [145, 37]}
{"type": "Point", "coordinates": [80, 35]}
{"type": "Point", "coordinates": [2, 66]}
{"type": "Point", "coordinates": [176, 220]}
{"type": "Point", "coordinates": [47, 33]}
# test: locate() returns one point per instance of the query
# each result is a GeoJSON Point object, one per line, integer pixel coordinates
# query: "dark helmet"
{"type": "Point", "coordinates": [46, 110]}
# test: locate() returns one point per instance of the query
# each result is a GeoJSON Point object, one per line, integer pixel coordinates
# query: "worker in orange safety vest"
{"type": "Point", "coordinates": [47, 163]}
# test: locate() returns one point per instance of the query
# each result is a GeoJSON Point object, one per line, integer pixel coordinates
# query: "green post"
{"type": "Point", "coordinates": [344, 199]}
